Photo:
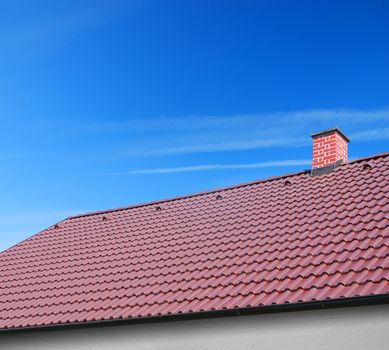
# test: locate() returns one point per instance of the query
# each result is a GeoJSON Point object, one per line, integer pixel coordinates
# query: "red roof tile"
{"type": "Point", "coordinates": [290, 239]}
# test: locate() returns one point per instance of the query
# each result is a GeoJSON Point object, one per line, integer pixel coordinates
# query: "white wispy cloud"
{"type": "Point", "coordinates": [371, 135]}
{"type": "Point", "coordinates": [208, 167]}
{"type": "Point", "coordinates": [245, 121]}
{"type": "Point", "coordinates": [227, 146]}
{"type": "Point", "coordinates": [353, 116]}
{"type": "Point", "coordinates": [252, 144]}
{"type": "Point", "coordinates": [169, 136]}
{"type": "Point", "coordinates": [162, 124]}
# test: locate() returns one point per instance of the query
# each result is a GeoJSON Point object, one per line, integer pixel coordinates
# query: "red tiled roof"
{"type": "Point", "coordinates": [290, 239]}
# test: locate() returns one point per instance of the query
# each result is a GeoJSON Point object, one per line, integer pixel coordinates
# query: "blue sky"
{"type": "Point", "coordinates": [111, 103]}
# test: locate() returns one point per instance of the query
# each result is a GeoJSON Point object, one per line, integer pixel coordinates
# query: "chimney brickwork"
{"type": "Point", "coordinates": [329, 147]}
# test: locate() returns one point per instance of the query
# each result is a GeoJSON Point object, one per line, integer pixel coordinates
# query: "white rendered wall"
{"type": "Point", "coordinates": [365, 327]}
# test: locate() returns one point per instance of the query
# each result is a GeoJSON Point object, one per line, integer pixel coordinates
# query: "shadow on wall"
{"type": "Point", "coordinates": [363, 327]}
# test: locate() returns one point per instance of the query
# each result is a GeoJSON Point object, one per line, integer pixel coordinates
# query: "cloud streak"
{"type": "Point", "coordinates": [363, 136]}
{"type": "Point", "coordinates": [227, 146]}
{"type": "Point", "coordinates": [371, 135]}
{"type": "Point", "coordinates": [245, 121]}
{"type": "Point", "coordinates": [210, 167]}
{"type": "Point", "coordinates": [188, 135]}
{"type": "Point", "coordinates": [353, 116]}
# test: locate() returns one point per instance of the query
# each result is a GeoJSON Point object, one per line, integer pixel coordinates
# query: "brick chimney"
{"type": "Point", "coordinates": [330, 148]}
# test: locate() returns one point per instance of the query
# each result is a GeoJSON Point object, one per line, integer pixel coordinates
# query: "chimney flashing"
{"type": "Point", "coordinates": [326, 169]}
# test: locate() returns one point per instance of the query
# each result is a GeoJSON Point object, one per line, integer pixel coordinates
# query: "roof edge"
{"type": "Point", "coordinates": [190, 195]}
{"type": "Point", "coordinates": [216, 190]}
{"type": "Point", "coordinates": [29, 237]}
{"type": "Point", "coordinates": [376, 299]}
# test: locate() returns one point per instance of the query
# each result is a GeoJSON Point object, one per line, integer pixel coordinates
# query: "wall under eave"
{"type": "Point", "coordinates": [364, 327]}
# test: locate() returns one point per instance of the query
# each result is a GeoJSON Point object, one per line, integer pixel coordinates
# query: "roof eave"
{"type": "Point", "coordinates": [303, 306]}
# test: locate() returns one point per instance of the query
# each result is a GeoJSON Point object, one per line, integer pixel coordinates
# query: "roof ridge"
{"type": "Point", "coordinates": [190, 195]}
{"type": "Point", "coordinates": [216, 190]}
